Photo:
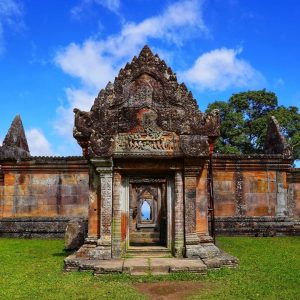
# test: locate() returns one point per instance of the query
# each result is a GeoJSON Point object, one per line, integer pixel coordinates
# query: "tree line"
{"type": "Point", "coordinates": [244, 119]}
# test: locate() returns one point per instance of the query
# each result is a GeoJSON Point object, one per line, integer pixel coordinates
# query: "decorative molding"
{"type": "Point", "coordinates": [146, 180]}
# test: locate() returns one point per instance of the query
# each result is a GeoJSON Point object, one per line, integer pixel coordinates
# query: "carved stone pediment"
{"type": "Point", "coordinates": [146, 90]}
{"type": "Point", "coordinates": [147, 138]}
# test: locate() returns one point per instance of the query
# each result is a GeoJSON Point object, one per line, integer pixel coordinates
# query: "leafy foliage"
{"type": "Point", "coordinates": [244, 120]}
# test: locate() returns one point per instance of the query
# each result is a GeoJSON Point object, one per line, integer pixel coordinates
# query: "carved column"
{"type": "Point", "coordinates": [179, 215]}
{"type": "Point", "coordinates": [202, 204]}
{"type": "Point", "coordinates": [117, 216]}
{"type": "Point", "coordinates": [105, 168]}
{"type": "Point", "coordinates": [198, 243]}
{"type": "Point", "coordinates": [190, 192]}
{"type": "Point", "coordinates": [93, 209]}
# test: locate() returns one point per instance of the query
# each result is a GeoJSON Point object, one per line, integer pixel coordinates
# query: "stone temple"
{"type": "Point", "coordinates": [147, 145]}
{"type": "Point", "coordinates": [147, 179]}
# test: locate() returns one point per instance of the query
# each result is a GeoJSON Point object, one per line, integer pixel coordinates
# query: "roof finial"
{"type": "Point", "coordinates": [15, 144]}
{"type": "Point", "coordinates": [146, 51]}
{"type": "Point", "coordinates": [15, 136]}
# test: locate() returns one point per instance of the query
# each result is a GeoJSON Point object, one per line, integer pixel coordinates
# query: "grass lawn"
{"type": "Point", "coordinates": [269, 269]}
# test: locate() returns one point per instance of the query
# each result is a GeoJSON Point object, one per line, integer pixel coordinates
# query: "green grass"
{"type": "Point", "coordinates": [269, 269]}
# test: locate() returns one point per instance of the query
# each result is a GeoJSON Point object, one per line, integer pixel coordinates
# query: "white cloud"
{"type": "Point", "coordinates": [76, 98]}
{"type": "Point", "coordinates": [79, 10]}
{"type": "Point", "coordinates": [38, 143]}
{"type": "Point", "coordinates": [96, 61]}
{"type": "Point", "coordinates": [221, 69]}
{"type": "Point", "coordinates": [86, 62]}
{"type": "Point", "coordinates": [112, 5]}
{"type": "Point", "coordinates": [11, 17]}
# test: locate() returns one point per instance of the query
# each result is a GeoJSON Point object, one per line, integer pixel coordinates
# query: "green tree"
{"type": "Point", "coordinates": [244, 120]}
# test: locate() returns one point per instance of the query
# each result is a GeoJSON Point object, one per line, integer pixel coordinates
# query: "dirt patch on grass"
{"type": "Point", "coordinates": [171, 290]}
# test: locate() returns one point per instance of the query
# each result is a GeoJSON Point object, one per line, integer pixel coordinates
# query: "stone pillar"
{"type": "Point", "coordinates": [190, 192]}
{"type": "Point", "coordinates": [202, 205]}
{"type": "Point", "coordinates": [179, 216]}
{"type": "Point", "coordinates": [281, 196]}
{"type": "Point", "coordinates": [105, 168]}
{"type": "Point", "coordinates": [190, 186]}
{"type": "Point", "coordinates": [93, 209]}
{"type": "Point", "coordinates": [198, 243]}
{"type": "Point", "coordinates": [117, 216]}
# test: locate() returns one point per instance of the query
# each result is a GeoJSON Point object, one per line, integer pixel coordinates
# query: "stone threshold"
{"type": "Point", "coordinates": [149, 265]}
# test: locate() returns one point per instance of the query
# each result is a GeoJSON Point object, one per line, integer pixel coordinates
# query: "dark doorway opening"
{"type": "Point", "coordinates": [147, 212]}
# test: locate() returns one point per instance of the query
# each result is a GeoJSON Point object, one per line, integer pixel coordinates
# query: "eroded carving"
{"type": "Point", "coordinates": [147, 136]}
{"type": "Point", "coordinates": [114, 123]}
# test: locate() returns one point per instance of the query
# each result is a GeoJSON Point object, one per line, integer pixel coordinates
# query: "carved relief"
{"type": "Point", "coordinates": [106, 203]}
{"type": "Point", "coordinates": [117, 121]}
{"type": "Point", "coordinates": [147, 136]}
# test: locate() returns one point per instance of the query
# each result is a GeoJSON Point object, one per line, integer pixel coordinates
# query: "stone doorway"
{"type": "Point", "coordinates": [147, 123]}
{"type": "Point", "coordinates": [148, 212]}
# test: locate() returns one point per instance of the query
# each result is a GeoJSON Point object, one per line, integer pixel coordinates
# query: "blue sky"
{"type": "Point", "coordinates": [57, 55]}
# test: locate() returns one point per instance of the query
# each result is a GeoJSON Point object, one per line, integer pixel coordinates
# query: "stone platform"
{"type": "Point", "coordinates": [149, 265]}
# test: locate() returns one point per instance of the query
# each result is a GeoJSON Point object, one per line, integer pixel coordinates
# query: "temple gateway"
{"type": "Point", "coordinates": [147, 146]}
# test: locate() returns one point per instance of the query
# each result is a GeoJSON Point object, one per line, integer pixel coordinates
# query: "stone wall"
{"type": "Point", "coordinates": [38, 196]}
{"type": "Point", "coordinates": [254, 195]}
{"type": "Point", "coordinates": [294, 193]}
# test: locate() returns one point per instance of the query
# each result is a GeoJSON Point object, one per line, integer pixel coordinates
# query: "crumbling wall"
{"type": "Point", "coordinates": [39, 196]}
{"type": "Point", "coordinates": [34, 192]}
{"type": "Point", "coordinates": [294, 193]}
{"type": "Point", "coordinates": [253, 196]}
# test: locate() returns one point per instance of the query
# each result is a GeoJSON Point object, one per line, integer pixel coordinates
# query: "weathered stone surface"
{"type": "Point", "coordinates": [257, 226]}
{"type": "Point", "coordinates": [154, 266]}
{"type": "Point", "coordinates": [145, 111]}
{"type": "Point", "coordinates": [275, 142]}
{"type": "Point", "coordinates": [44, 187]}
{"type": "Point", "coordinates": [171, 265]}
{"type": "Point", "coordinates": [109, 266]}
{"type": "Point", "coordinates": [75, 234]}
{"type": "Point", "coordinates": [33, 227]}
{"type": "Point", "coordinates": [136, 266]}
{"type": "Point", "coordinates": [15, 146]}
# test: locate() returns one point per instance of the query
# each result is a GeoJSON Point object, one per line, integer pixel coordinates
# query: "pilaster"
{"type": "Point", "coordinates": [94, 208]}
{"type": "Point", "coordinates": [104, 167]}
{"type": "Point", "coordinates": [198, 243]}
{"type": "Point", "coordinates": [281, 196]}
{"type": "Point", "coordinates": [117, 216]}
{"type": "Point", "coordinates": [179, 216]}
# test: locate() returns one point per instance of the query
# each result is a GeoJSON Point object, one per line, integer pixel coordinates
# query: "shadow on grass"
{"type": "Point", "coordinates": [64, 253]}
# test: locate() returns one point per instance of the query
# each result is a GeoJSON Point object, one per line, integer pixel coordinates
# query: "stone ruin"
{"type": "Point", "coordinates": [147, 144]}
{"type": "Point", "coordinates": [144, 184]}
{"type": "Point", "coordinates": [15, 146]}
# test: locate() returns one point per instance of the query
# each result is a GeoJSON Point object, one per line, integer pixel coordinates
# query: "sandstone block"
{"type": "Point", "coordinates": [75, 233]}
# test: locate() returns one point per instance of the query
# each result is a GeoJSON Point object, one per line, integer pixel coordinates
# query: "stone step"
{"type": "Point", "coordinates": [148, 251]}
{"type": "Point", "coordinates": [144, 238]}
{"type": "Point", "coordinates": [145, 234]}
{"type": "Point", "coordinates": [144, 242]}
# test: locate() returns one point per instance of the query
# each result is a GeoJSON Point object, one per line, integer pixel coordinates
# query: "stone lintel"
{"type": "Point", "coordinates": [102, 165]}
